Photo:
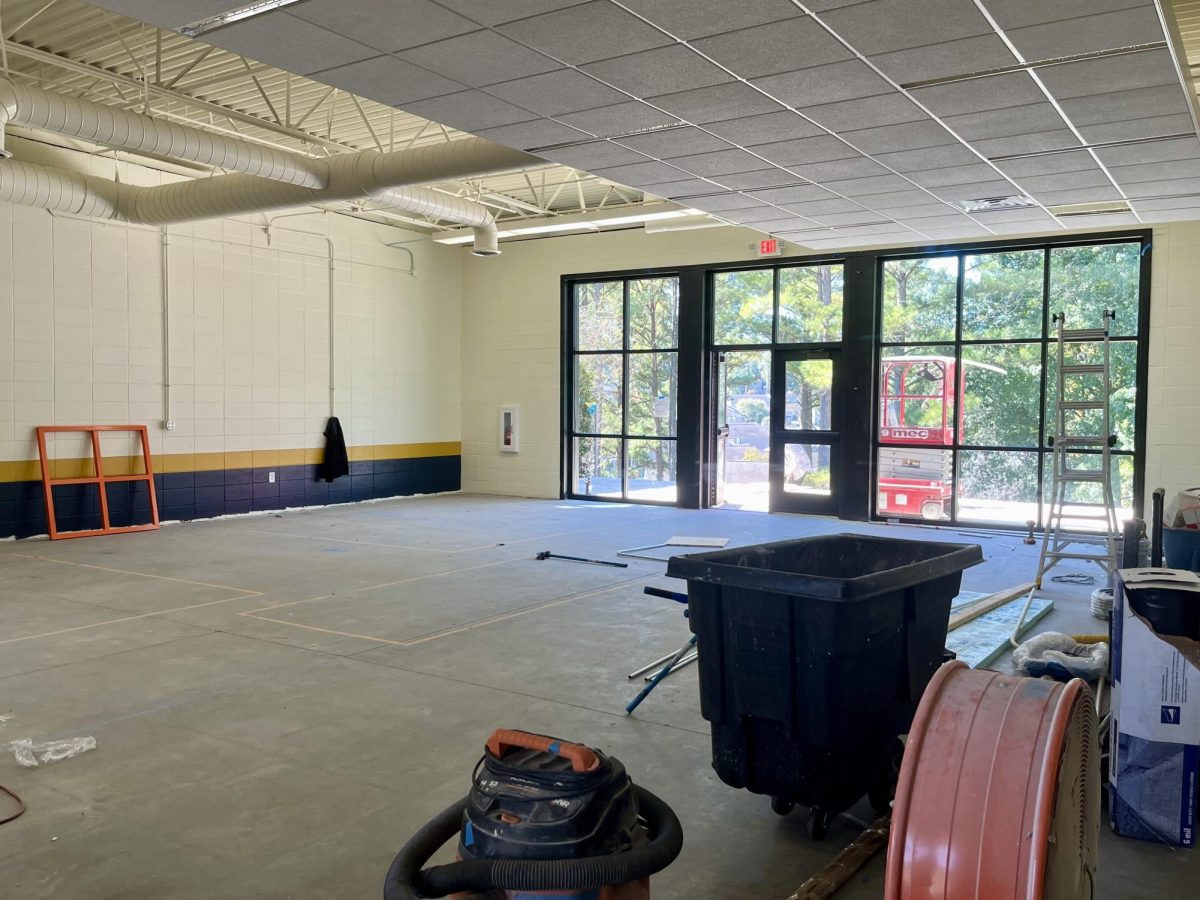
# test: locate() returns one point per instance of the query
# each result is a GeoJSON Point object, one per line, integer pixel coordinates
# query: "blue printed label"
{"type": "Point", "coordinates": [1170, 715]}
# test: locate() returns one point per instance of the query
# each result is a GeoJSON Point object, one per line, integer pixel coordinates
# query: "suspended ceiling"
{"type": "Point", "coordinates": [71, 46]}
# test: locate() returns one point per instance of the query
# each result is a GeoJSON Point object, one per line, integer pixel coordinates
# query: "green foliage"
{"type": "Point", "coordinates": [752, 410]}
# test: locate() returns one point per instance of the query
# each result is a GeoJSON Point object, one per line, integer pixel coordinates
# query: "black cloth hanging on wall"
{"type": "Point", "coordinates": [336, 462]}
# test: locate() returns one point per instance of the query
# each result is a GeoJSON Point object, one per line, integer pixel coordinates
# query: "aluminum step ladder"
{"type": "Point", "coordinates": [1079, 434]}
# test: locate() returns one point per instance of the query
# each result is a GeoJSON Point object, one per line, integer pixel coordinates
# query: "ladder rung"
{"type": "Point", "coordinates": [1089, 369]}
{"type": "Point", "coordinates": [1067, 515]}
{"type": "Point", "coordinates": [1079, 475]}
{"type": "Point", "coordinates": [1062, 554]}
{"type": "Point", "coordinates": [1084, 334]}
{"type": "Point", "coordinates": [1082, 404]}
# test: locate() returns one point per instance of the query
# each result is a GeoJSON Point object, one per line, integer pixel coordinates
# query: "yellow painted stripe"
{"type": "Point", "coordinates": [30, 469]}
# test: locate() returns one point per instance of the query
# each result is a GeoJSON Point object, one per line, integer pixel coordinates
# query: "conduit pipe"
{"type": "Point", "coordinates": [35, 108]}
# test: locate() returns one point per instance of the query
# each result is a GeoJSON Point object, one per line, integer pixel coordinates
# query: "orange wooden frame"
{"type": "Point", "coordinates": [99, 479]}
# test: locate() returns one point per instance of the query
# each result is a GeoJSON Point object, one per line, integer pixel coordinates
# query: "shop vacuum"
{"type": "Point", "coordinates": [545, 819]}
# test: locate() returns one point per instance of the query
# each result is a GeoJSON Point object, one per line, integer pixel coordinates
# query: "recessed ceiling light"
{"type": "Point", "coordinates": [1108, 208]}
{"type": "Point", "coordinates": [994, 204]}
{"type": "Point", "coordinates": [236, 15]}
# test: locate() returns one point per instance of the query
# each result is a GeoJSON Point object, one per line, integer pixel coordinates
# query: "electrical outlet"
{"type": "Point", "coordinates": [169, 424]}
{"type": "Point", "coordinates": [270, 477]}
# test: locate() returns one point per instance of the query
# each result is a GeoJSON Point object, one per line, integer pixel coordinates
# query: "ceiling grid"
{"type": "Point", "coordinates": [831, 123]}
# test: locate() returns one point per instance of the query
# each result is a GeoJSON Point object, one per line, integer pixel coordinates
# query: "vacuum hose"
{"type": "Point", "coordinates": [406, 880]}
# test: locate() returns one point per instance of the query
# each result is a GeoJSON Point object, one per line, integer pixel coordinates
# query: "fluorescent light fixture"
{"type": "Point", "coordinates": [248, 11]}
{"type": "Point", "coordinates": [589, 221]}
{"type": "Point", "coordinates": [1102, 208]}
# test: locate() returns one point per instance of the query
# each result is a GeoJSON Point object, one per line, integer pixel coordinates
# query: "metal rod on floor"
{"type": "Point", "coordinates": [654, 665]}
{"type": "Point", "coordinates": [690, 658]}
{"type": "Point", "coordinates": [663, 673]}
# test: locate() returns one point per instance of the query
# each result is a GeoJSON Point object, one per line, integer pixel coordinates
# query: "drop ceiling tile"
{"type": "Point", "coordinates": [993, 92]}
{"type": "Point", "coordinates": [1026, 143]}
{"type": "Point", "coordinates": [672, 142]}
{"type": "Point", "coordinates": [391, 81]}
{"type": "Point", "coordinates": [991, 123]}
{"type": "Point", "coordinates": [1110, 74]}
{"type": "Point", "coordinates": [766, 178]}
{"type": "Point", "coordinates": [1019, 13]}
{"type": "Point", "coordinates": [894, 138]}
{"type": "Point", "coordinates": [1077, 161]}
{"type": "Point", "coordinates": [879, 184]}
{"type": "Point", "coordinates": [618, 119]}
{"type": "Point", "coordinates": [928, 210]}
{"type": "Point", "coordinates": [688, 19]}
{"type": "Point", "coordinates": [895, 199]}
{"type": "Point", "coordinates": [1121, 106]}
{"type": "Point", "coordinates": [725, 202]}
{"type": "Point", "coordinates": [881, 26]}
{"type": "Point", "coordinates": [687, 189]}
{"type": "Point", "coordinates": [1172, 188]}
{"type": "Point", "coordinates": [975, 190]}
{"type": "Point", "coordinates": [777, 47]}
{"type": "Point", "coordinates": [950, 221]}
{"type": "Point", "coordinates": [891, 229]}
{"type": "Point", "coordinates": [764, 129]}
{"type": "Point", "coordinates": [489, 12]}
{"type": "Point", "coordinates": [984, 51]}
{"type": "Point", "coordinates": [1155, 151]}
{"type": "Point", "coordinates": [469, 110]}
{"type": "Point", "coordinates": [594, 155]}
{"type": "Point", "coordinates": [848, 80]}
{"type": "Point", "coordinates": [790, 224]}
{"type": "Point", "coordinates": [720, 162]}
{"type": "Point", "coordinates": [1105, 31]}
{"type": "Point", "coordinates": [555, 93]}
{"type": "Point", "coordinates": [479, 59]}
{"type": "Point", "coordinates": [716, 103]}
{"type": "Point", "coordinates": [611, 32]}
{"type": "Point", "coordinates": [1100, 221]}
{"type": "Point", "coordinates": [1155, 126]}
{"type": "Point", "coordinates": [1188, 202]}
{"type": "Point", "coordinates": [868, 112]}
{"type": "Point", "coordinates": [532, 135]}
{"type": "Point", "coordinates": [1042, 223]}
{"type": "Point", "coordinates": [378, 24]}
{"type": "Point", "coordinates": [652, 73]}
{"type": "Point", "coordinates": [863, 217]}
{"type": "Point", "coordinates": [642, 173]}
{"type": "Point", "coordinates": [806, 150]}
{"type": "Point", "coordinates": [289, 43]}
{"type": "Point", "coordinates": [956, 233]}
{"type": "Point", "coordinates": [928, 158]}
{"type": "Point", "coordinates": [1079, 195]}
{"type": "Point", "coordinates": [799, 194]}
{"type": "Point", "coordinates": [817, 208]}
{"type": "Point", "coordinates": [1062, 181]}
{"type": "Point", "coordinates": [840, 169]}
{"type": "Point", "coordinates": [972, 174]}
{"type": "Point", "coordinates": [761, 213]}
{"type": "Point", "coordinates": [1181, 214]}
{"type": "Point", "coordinates": [1130, 176]}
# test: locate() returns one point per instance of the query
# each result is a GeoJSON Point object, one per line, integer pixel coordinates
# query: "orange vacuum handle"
{"type": "Point", "coordinates": [502, 739]}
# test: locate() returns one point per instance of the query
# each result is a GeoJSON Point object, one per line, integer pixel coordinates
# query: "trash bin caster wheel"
{"type": "Point", "coordinates": [817, 824]}
{"type": "Point", "coordinates": [781, 807]}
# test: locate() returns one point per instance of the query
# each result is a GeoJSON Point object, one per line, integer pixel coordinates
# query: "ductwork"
{"type": "Point", "coordinates": [265, 179]}
{"type": "Point", "coordinates": [71, 116]}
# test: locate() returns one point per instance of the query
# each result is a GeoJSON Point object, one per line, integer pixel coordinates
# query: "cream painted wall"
{"type": "Point", "coordinates": [81, 328]}
{"type": "Point", "coordinates": [511, 310]}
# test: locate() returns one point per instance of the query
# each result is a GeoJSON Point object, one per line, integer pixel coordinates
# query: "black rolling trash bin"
{"type": "Point", "coordinates": [813, 656]}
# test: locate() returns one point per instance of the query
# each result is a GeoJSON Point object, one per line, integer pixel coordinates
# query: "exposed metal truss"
{"type": "Point", "coordinates": [72, 47]}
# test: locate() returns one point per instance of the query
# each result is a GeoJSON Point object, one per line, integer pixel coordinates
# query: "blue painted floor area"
{"type": "Point", "coordinates": [280, 701]}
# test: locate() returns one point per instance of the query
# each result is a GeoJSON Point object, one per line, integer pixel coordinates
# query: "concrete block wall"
{"type": "Point", "coordinates": [81, 342]}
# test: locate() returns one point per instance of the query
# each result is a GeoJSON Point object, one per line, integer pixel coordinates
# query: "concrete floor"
{"type": "Point", "coordinates": [279, 701]}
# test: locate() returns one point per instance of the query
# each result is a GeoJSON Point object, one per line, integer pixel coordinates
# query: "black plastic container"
{"type": "Point", "coordinates": [813, 656]}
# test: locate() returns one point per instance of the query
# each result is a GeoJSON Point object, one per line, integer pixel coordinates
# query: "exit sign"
{"type": "Point", "coordinates": [770, 247]}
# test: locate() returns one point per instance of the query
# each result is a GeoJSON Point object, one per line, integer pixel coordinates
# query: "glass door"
{"type": "Point", "coordinates": [805, 440]}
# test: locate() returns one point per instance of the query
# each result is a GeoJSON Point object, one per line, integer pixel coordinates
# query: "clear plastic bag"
{"type": "Point", "coordinates": [30, 753]}
{"type": "Point", "coordinates": [1061, 656]}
